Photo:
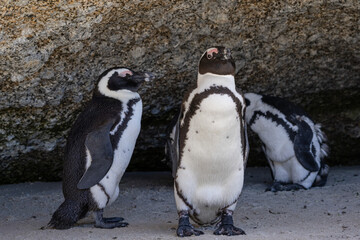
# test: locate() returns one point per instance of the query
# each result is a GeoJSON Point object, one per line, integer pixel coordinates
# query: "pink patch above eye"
{"type": "Point", "coordinates": [124, 73]}
{"type": "Point", "coordinates": [212, 50]}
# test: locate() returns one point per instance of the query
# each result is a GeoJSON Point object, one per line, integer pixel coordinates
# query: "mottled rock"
{"type": "Point", "coordinates": [51, 53]}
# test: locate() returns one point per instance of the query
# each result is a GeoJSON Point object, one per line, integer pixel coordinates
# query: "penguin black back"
{"type": "Point", "coordinates": [286, 107]}
{"type": "Point", "coordinates": [93, 115]}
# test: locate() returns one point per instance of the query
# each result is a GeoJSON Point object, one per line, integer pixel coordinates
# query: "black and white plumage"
{"type": "Point", "coordinates": [208, 147]}
{"type": "Point", "coordinates": [99, 147]}
{"type": "Point", "coordinates": [293, 144]}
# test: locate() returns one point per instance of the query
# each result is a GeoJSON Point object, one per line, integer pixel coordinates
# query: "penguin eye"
{"type": "Point", "coordinates": [209, 56]}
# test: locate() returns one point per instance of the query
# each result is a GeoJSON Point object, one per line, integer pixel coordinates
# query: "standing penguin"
{"type": "Point", "coordinates": [208, 148]}
{"type": "Point", "coordinates": [293, 145]}
{"type": "Point", "coordinates": [99, 148]}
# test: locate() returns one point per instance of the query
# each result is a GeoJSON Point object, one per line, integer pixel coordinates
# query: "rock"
{"type": "Point", "coordinates": [51, 53]}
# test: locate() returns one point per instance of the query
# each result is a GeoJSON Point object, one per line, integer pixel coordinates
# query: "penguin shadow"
{"type": "Point", "coordinates": [257, 177]}
{"type": "Point", "coordinates": [87, 222]}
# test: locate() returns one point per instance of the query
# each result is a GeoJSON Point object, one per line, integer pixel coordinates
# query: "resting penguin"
{"type": "Point", "coordinates": [99, 148]}
{"type": "Point", "coordinates": [208, 148]}
{"type": "Point", "coordinates": [293, 144]}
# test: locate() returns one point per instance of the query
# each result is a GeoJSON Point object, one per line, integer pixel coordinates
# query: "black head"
{"type": "Point", "coordinates": [115, 79]}
{"type": "Point", "coordinates": [217, 60]}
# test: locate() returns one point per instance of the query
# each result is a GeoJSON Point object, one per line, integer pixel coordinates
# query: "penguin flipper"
{"type": "Point", "coordinates": [172, 143]}
{"type": "Point", "coordinates": [302, 146]}
{"type": "Point", "coordinates": [99, 145]}
{"type": "Point", "coordinates": [247, 146]}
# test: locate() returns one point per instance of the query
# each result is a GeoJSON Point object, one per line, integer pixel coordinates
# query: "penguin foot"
{"type": "Point", "coordinates": [229, 230]}
{"type": "Point", "coordinates": [185, 229]}
{"type": "Point", "coordinates": [226, 226]}
{"type": "Point", "coordinates": [113, 219]}
{"type": "Point", "coordinates": [278, 186]}
{"type": "Point", "coordinates": [108, 223]}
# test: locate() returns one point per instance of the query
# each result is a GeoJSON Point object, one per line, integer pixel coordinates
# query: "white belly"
{"type": "Point", "coordinates": [280, 150]}
{"type": "Point", "coordinates": [122, 156]}
{"type": "Point", "coordinates": [212, 159]}
{"type": "Point", "coordinates": [279, 147]}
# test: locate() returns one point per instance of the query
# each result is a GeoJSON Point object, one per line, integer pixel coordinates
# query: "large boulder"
{"type": "Point", "coordinates": [51, 53]}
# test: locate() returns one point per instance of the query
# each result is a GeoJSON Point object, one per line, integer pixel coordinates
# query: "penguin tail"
{"type": "Point", "coordinates": [68, 213]}
{"type": "Point", "coordinates": [321, 178]}
{"type": "Point", "coordinates": [323, 173]}
{"type": "Point", "coordinates": [324, 148]}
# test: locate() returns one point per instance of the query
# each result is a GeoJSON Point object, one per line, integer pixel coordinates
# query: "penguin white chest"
{"type": "Point", "coordinates": [211, 171]}
{"type": "Point", "coordinates": [214, 132]}
{"type": "Point", "coordinates": [128, 128]}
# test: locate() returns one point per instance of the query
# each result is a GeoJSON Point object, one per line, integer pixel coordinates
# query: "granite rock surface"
{"type": "Point", "coordinates": [51, 53]}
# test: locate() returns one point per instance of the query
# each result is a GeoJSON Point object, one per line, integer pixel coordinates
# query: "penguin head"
{"type": "Point", "coordinates": [251, 100]}
{"type": "Point", "coordinates": [217, 60]}
{"type": "Point", "coordinates": [119, 79]}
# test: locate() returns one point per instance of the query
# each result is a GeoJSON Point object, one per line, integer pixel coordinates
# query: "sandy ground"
{"type": "Point", "coordinates": [146, 202]}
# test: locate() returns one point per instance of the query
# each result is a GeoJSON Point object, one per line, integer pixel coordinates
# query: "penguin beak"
{"type": "Point", "coordinates": [149, 76]}
{"type": "Point", "coordinates": [140, 77]}
{"type": "Point", "coordinates": [227, 54]}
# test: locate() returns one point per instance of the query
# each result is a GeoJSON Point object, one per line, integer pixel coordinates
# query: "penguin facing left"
{"type": "Point", "coordinates": [294, 145]}
{"type": "Point", "coordinates": [99, 147]}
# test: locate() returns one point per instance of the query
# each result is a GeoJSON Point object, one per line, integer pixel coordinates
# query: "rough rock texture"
{"type": "Point", "coordinates": [51, 53]}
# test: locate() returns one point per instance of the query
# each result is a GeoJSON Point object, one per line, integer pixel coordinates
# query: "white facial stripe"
{"type": "Point", "coordinates": [122, 95]}
{"type": "Point", "coordinates": [212, 50]}
{"type": "Point", "coordinates": [121, 71]}
{"type": "Point", "coordinates": [124, 72]}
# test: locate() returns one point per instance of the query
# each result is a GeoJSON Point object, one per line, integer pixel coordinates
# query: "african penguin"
{"type": "Point", "coordinates": [293, 144]}
{"type": "Point", "coordinates": [99, 148]}
{"type": "Point", "coordinates": [208, 147]}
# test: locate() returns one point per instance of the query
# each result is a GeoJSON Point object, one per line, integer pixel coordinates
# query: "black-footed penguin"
{"type": "Point", "coordinates": [99, 148]}
{"type": "Point", "coordinates": [293, 144]}
{"type": "Point", "coordinates": [208, 147]}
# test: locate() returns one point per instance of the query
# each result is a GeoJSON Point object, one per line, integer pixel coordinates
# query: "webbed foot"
{"type": "Point", "coordinates": [229, 230]}
{"type": "Point", "coordinates": [185, 229]}
{"type": "Point", "coordinates": [226, 226]}
{"type": "Point", "coordinates": [108, 223]}
{"type": "Point", "coordinates": [279, 186]}
{"type": "Point", "coordinates": [113, 219]}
